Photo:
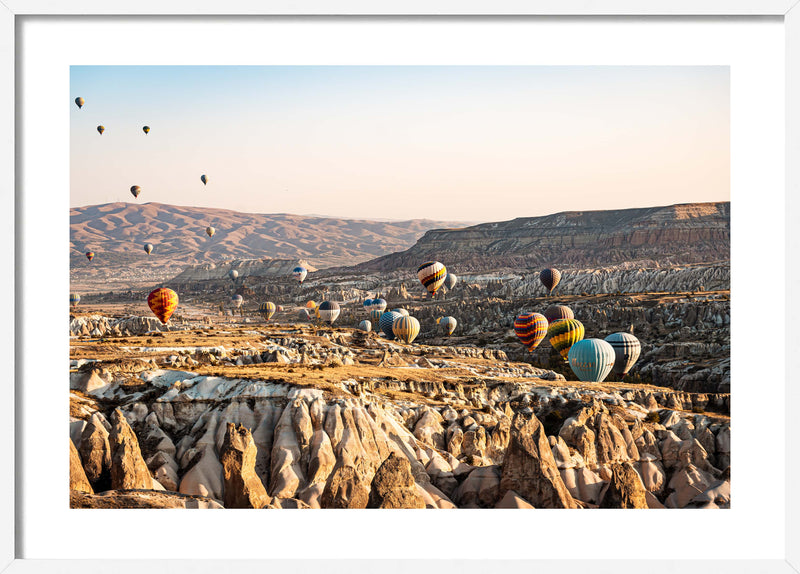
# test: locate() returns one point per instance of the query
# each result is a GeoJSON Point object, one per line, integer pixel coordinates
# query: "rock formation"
{"type": "Point", "coordinates": [393, 485]}
{"type": "Point", "coordinates": [243, 488]}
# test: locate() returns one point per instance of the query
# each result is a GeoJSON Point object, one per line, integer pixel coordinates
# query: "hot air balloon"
{"type": "Point", "coordinates": [299, 273]}
{"type": "Point", "coordinates": [432, 274]}
{"type": "Point", "coordinates": [365, 326]}
{"type": "Point", "coordinates": [450, 280]}
{"type": "Point", "coordinates": [148, 248]}
{"type": "Point", "coordinates": [405, 328]}
{"type": "Point", "coordinates": [591, 359]}
{"type": "Point", "coordinates": [379, 305]}
{"type": "Point", "coordinates": [368, 305]}
{"type": "Point", "coordinates": [328, 311]}
{"type": "Point", "coordinates": [233, 274]}
{"type": "Point", "coordinates": [375, 317]}
{"type": "Point", "coordinates": [267, 310]}
{"type": "Point", "coordinates": [531, 329]}
{"type": "Point", "coordinates": [550, 278]}
{"type": "Point", "coordinates": [401, 311]}
{"type": "Point", "coordinates": [74, 299]}
{"type": "Point", "coordinates": [101, 129]}
{"type": "Point", "coordinates": [163, 303]}
{"type": "Point", "coordinates": [236, 301]}
{"type": "Point", "coordinates": [136, 190]}
{"type": "Point", "coordinates": [311, 304]}
{"type": "Point", "coordinates": [626, 351]}
{"type": "Point", "coordinates": [564, 333]}
{"type": "Point", "coordinates": [555, 312]}
{"type": "Point", "coordinates": [303, 315]}
{"type": "Point", "coordinates": [79, 102]}
{"type": "Point", "coordinates": [146, 130]}
{"type": "Point", "coordinates": [90, 255]}
{"type": "Point", "coordinates": [204, 179]}
{"type": "Point", "coordinates": [449, 325]}
{"type": "Point", "coordinates": [210, 231]}
{"type": "Point", "coordinates": [386, 321]}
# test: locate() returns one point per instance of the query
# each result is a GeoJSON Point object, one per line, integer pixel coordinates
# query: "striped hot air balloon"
{"type": "Point", "coordinates": [267, 310]}
{"type": "Point", "coordinates": [401, 311]}
{"type": "Point", "coordinates": [627, 349]}
{"type": "Point", "coordinates": [367, 305]}
{"type": "Point", "coordinates": [550, 278]}
{"type": "Point", "coordinates": [564, 333]}
{"type": "Point", "coordinates": [328, 311]}
{"type": "Point", "coordinates": [591, 359]}
{"type": "Point", "coordinates": [375, 317]}
{"type": "Point", "coordinates": [448, 324]}
{"type": "Point", "coordinates": [90, 255]}
{"type": "Point", "coordinates": [365, 326]}
{"type": "Point", "coordinates": [555, 312]}
{"type": "Point", "coordinates": [379, 305]}
{"type": "Point", "coordinates": [74, 299]}
{"type": "Point", "coordinates": [405, 328]}
{"type": "Point", "coordinates": [299, 273]}
{"type": "Point", "coordinates": [531, 329]}
{"type": "Point", "coordinates": [163, 302]}
{"type": "Point", "coordinates": [387, 321]}
{"type": "Point", "coordinates": [432, 274]}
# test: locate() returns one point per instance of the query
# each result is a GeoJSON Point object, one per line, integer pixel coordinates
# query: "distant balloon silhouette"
{"type": "Point", "coordinates": [90, 255]}
{"type": "Point", "coordinates": [148, 248]}
{"type": "Point", "coordinates": [237, 301]}
{"type": "Point", "coordinates": [233, 274]}
{"type": "Point", "coordinates": [101, 129]}
{"type": "Point", "coordinates": [210, 231]}
{"type": "Point", "coordinates": [299, 273]}
{"type": "Point", "coordinates": [146, 130]}
{"type": "Point", "coordinates": [448, 324]}
{"type": "Point", "coordinates": [550, 278]}
{"type": "Point", "coordinates": [450, 280]}
{"type": "Point", "coordinates": [204, 179]}
{"type": "Point", "coordinates": [79, 102]}
{"type": "Point", "coordinates": [555, 312]}
{"type": "Point", "coordinates": [365, 326]}
{"type": "Point", "coordinates": [136, 190]}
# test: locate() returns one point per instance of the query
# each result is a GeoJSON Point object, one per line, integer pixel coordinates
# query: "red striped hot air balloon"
{"type": "Point", "coordinates": [431, 274]}
{"type": "Point", "coordinates": [163, 303]}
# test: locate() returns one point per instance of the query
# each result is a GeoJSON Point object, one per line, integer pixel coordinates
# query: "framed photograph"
{"type": "Point", "coordinates": [449, 288]}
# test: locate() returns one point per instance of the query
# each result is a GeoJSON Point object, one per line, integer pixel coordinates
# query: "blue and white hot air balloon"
{"type": "Point", "coordinates": [386, 322]}
{"type": "Point", "coordinates": [299, 273]}
{"type": "Point", "coordinates": [365, 326]}
{"type": "Point", "coordinates": [591, 359]}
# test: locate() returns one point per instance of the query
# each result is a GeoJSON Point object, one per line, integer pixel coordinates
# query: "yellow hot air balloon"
{"type": "Point", "coordinates": [311, 305]}
{"type": "Point", "coordinates": [79, 102]}
{"type": "Point", "coordinates": [405, 328]}
{"type": "Point", "coordinates": [210, 231]}
{"type": "Point", "coordinates": [101, 129]}
{"type": "Point", "coordinates": [564, 333]}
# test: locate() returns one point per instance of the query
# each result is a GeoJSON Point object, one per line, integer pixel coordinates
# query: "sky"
{"type": "Point", "coordinates": [463, 143]}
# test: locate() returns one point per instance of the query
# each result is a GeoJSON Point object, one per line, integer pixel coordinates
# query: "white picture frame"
{"type": "Point", "coordinates": [13, 10]}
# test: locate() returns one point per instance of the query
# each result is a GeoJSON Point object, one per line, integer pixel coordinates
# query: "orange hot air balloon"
{"type": "Point", "coordinates": [90, 255]}
{"type": "Point", "coordinates": [163, 303]}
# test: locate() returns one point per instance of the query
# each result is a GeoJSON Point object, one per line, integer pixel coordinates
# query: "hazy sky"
{"type": "Point", "coordinates": [482, 143]}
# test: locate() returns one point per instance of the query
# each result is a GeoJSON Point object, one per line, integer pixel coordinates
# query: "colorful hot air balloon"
{"type": "Point", "coordinates": [375, 317]}
{"type": "Point", "coordinates": [311, 304]}
{"type": "Point", "coordinates": [210, 231]}
{"type": "Point", "coordinates": [79, 102]}
{"type": "Point", "coordinates": [367, 305]}
{"type": "Point", "coordinates": [564, 333]}
{"type": "Point", "coordinates": [432, 274]}
{"type": "Point", "coordinates": [300, 273]}
{"type": "Point", "coordinates": [386, 322]}
{"type": "Point", "coordinates": [267, 310]}
{"type": "Point", "coordinates": [74, 299]}
{"type": "Point", "coordinates": [365, 326]}
{"type": "Point", "coordinates": [449, 325]}
{"type": "Point", "coordinates": [405, 328]}
{"type": "Point", "coordinates": [148, 248]}
{"type": "Point", "coordinates": [450, 280]}
{"type": "Point", "coordinates": [146, 130]}
{"type": "Point", "coordinates": [328, 311]}
{"type": "Point", "coordinates": [163, 303]}
{"type": "Point", "coordinates": [204, 179]}
{"type": "Point", "coordinates": [626, 351]}
{"type": "Point", "coordinates": [550, 278]}
{"type": "Point", "coordinates": [379, 305]}
{"type": "Point", "coordinates": [401, 311]}
{"type": "Point", "coordinates": [555, 312]}
{"type": "Point", "coordinates": [90, 255]}
{"type": "Point", "coordinates": [233, 274]}
{"type": "Point", "coordinates": [101, 129]}
{"type": "Point", "coordinates": [136, 190]}
{"type": "Point", "coordinates": [531, 329]}
{"type": "Point", "coordinates": [591, 359]}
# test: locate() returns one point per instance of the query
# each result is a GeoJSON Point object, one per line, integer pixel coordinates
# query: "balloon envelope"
{"type": "Point", "coordinates": [210, 231]}
{"type": "Point", "coordinates": [136, 190]}
{"type": "Point", "coordinates": [79, 102]}
{"type": "Point", "coordinates": [449, 325]}
{"type": "Point", "coordinates": [90, 255]}
{"type": "Point", "coordinates": [450, 280]}
{"type": "Point", "coordinates": [311, 304]}
{"type": "Point", "coordinates": [365, 326]}
{"type": "Point", "coordinates": [101, 129]}
{"type": "Point", "coordinates": [555, 312]}
{"type": "Point", "coordinates": [375, 317]}
{"type": "Point", "coordinates": [627, 349]}
{"type": "Point", "coordinates": [267, 310]}
{"type": "Point", "coordinates": [329, 311]}
{"type": "Point", "coordinates": [591, 359]}
{"type": "Point", "coordinates": [386, 321]}
{"type": "Point", "coordinates": [565, 333]}
{"type": "Point", "coordinates": [550, 278]}
{"type": "Point", "coordinates": [204, 179]}
{"type": "Point", "coordinates": [405, 328]}
{"type": "Point", "coordinates": [431, 274]}
{"type": "Point", "coordinates": [379, 304]}
{"type": "Point", "coordinates": [299, 273]}
{"type": "Point", "coordinates": [146, 130]}
{"type": "Point", "coordinates": [531, 329]}
{"type": "Point", "coordinates": [148, 248]}
{"type": "Point", "coordinates": [237, 301]}
{"type": "Point", "coordinates": [233, 274]}
{"type": "Point", "coordinates": [367, 304]}
{"type": "Point", "coordinates": [74, 299]}
{"type": "Point", "coordinates": [401, 311]}
{"type": "Point", "coordinates": [163, 302]}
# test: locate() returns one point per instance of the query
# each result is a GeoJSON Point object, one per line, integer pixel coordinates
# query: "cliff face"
{"type": "Point", "coordinates": [677, 234]}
